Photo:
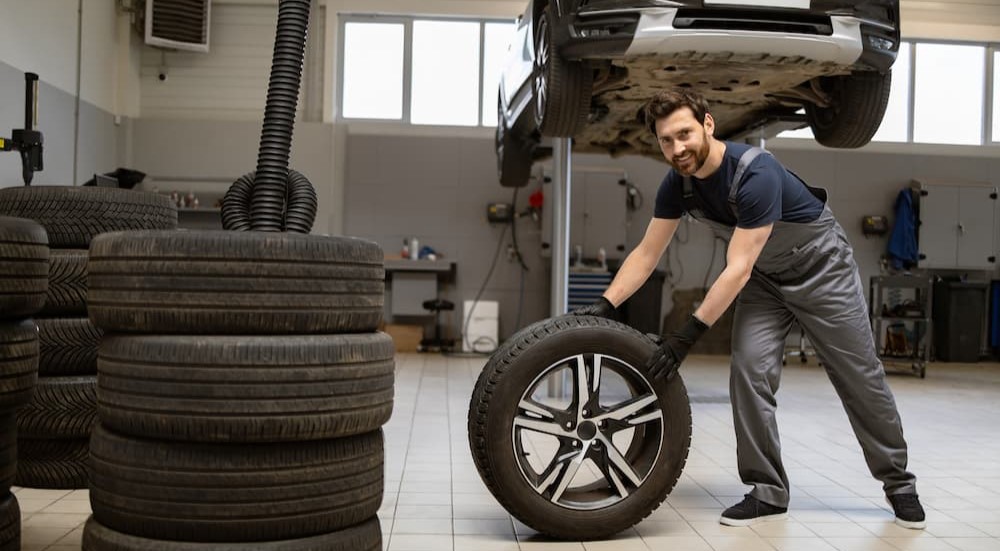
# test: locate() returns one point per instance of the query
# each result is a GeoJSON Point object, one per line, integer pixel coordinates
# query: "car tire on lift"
{"type": "Point", "coordinates": [506, 409]}
{"type": "Point", "coordinates": [514, 158]}
{"type": "Point", "coordinates": [366, 536]}
{"type": "Point", "coordinates": [561, 89]}
{"type": "Point", "coordinates": [234, 283]}
{"type": "Point", "coordinates": [245, 388]}
{"type": "Point", "coordinates": [858, 100]}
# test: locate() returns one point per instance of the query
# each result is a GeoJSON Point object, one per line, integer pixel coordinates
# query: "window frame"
{"type": "Point", "coordinates": [987, 99]}
{"type": "Point", "coordinates": [407, 21]}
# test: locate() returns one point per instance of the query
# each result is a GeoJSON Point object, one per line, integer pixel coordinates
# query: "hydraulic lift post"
{"type": "Point", "coordinates": [561, 186]}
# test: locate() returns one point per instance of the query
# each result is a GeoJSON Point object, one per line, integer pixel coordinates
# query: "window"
{"type": "Point", "coordinates": [895, 123]}
{"type": "Point", "coordinates": [949, 95]}
{"type": "Point", "coordinates": [445, 73]}
{"type": "Point", "coordinates": [422, 71]}
{"type": "Point", "coordinates": [373, 64]}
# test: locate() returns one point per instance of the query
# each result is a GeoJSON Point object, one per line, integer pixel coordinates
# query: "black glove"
{"type": "Point", "coordinates": [602, 308]}
{"type": "Point", "coordinates": [674, 348]}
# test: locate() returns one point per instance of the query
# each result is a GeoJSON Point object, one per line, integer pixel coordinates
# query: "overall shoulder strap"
{"type": "Point", "coordinates": [741, 167]}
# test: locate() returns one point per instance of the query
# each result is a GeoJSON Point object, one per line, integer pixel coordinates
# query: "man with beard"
{"type": "Point", "coordinates": [787, 259]}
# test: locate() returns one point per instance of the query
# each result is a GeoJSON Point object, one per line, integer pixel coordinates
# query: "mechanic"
{"type": "Point", "coordinates": [788, 259]}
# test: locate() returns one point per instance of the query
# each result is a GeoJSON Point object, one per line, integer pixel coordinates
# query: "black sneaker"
{"type": "Point", "coordinates": [751, 511]}
{"type": "Point", "coordinates": [909, 513]}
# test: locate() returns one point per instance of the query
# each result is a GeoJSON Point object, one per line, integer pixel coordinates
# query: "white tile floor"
{"type": "Point", "coordinates": [435, 501]}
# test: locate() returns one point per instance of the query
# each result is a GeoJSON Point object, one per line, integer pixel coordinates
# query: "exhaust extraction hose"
{"type": "Point", "coordinates": [274, 198]}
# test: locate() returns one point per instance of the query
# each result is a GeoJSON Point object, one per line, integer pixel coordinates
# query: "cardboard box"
{"type": "Point", "coordinates": [406, 337]}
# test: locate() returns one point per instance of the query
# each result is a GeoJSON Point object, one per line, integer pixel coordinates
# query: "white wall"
{"type": "Point", "coordinates": [228, 83]}
{"type": "Point", "coordinates": [71, 49]}
{"type": "Point", "coordinates": [41, 36]}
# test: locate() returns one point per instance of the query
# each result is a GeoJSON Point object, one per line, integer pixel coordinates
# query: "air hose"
{"type": "Point", "coordinates": [274, 198]}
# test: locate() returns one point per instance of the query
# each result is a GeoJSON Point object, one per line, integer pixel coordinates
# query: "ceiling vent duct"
{"type": "Point", "coordinates": [178, 24]}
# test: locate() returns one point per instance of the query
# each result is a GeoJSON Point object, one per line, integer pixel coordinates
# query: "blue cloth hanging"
{"type": "Point", "coordinates": [903, 253]}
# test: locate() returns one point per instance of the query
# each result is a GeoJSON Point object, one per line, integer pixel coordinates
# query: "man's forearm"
{"type": "Point", "coordinates": [722, 294]}
{"type": "Point", "coordinates": [630, 277]}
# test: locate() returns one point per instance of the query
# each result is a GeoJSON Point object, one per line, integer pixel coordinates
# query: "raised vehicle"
{"type": "Point", "coordinates": [585, 68]}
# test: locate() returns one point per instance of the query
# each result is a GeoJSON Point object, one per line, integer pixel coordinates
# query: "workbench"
{"type": "Point", "coordinates": [411, 282]}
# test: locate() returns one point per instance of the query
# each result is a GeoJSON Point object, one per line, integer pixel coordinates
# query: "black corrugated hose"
{"type": "Point", "coordinates": [275, 198]}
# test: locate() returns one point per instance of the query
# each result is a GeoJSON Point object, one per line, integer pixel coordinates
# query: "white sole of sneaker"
{"type": "Point", "coordinates": [751, 521]}
{"type": "Point", "coordinates": [911, 524]}
{"type": "Point", "coordinates": [918, 525]}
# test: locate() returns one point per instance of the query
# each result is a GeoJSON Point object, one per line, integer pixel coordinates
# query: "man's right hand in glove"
{"type": "Point", "coordinates": [602, 308]}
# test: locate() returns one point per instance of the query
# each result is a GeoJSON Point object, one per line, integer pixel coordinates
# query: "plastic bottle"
{"type": "Point", "coordinates": [414, 249]}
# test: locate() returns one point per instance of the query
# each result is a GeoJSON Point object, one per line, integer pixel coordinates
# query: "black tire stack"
{"type": "Point", "coordinates": [54, 428]}
{"type": "Point", "coordinates": [241, 392]}
{"type": "Point", "coordinates": [24, 269]}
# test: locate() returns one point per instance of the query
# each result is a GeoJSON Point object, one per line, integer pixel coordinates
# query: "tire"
{"type": "Point", "coordinates": [234, 283]}
{"type": "Point", "coordinates": [68, 346]}
{"type": "Point", "coordinates": [366, 536]}
{"type": "Point", "coordinates": [67, 293]}
{"type": "Point", "coordinates": [536, 486]}
{"type": "Point", "coordinates": [8, 453]}
{"type": "Point", "coordinates": [513, 155]}
{"type": "Point", "coordinates": [52, 464]}
{"type": "Point", "coordinates": [858, 103]}
{"type": "Point", "coordinates": [62, 408]}
{"type": "Point", "coordinates": [234, 493]}
{"type": "Point", "coordinates": [24, 267]}
{"type": "Point", "coordinates": [561, 89]}
{"type": "Point", "coordinates": [245, 389]}
{"type": "Point", "coordinates": [18, 363]}
{"type": "Point", "coordinates": [73, 215]}
{"type": "Point", "coordinates": [10, 524]}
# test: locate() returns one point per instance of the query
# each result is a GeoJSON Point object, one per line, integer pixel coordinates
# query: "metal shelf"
{"type": "Point", "coordinates": [920, 347]}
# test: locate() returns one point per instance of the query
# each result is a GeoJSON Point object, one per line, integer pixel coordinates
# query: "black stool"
{"type": "Point", "coordinates": [437, 344]}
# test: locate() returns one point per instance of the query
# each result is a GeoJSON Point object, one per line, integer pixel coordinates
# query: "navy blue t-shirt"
{"type": "Point", "coordinates": [769, 193]}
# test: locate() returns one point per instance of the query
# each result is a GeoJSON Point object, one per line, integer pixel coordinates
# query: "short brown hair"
{"type": "Point", "coordinates": [665, 102]}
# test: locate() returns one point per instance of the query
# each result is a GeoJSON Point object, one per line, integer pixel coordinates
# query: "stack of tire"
{"type": "Point", "coordinates": [54, 428]}
{"type": "Point", "coordinates": [241, 392]}
{"type": "Point", "coordinates": [24, 269]}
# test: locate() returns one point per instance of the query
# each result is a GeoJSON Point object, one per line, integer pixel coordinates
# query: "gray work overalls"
{"type": "Point", "coordinates": [806, 272]}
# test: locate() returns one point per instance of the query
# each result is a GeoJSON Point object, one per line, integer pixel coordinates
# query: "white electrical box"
{"type": "Point", "coordinates": [482, 325]}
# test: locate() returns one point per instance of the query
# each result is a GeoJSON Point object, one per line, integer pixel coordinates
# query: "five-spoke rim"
{"type": "Point", "coordinates": [619, 441]}
{"type": "Point", "coordinates": [542, 55]}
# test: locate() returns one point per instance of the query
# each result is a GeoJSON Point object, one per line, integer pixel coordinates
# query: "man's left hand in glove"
{"type": "Point", "coordinates": [674, 348]}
